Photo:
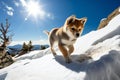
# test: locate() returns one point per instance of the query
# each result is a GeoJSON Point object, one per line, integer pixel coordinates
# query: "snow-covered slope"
{"type": "Point", "coordinates": [103, 45]}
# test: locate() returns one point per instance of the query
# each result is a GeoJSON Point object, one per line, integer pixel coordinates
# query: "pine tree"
{"type": "Point", "coordinates": [30, 46]}
{"type": "Point", "coordinates": [25, 47]}
{"type": "Point", "coordinates": [42, 47]}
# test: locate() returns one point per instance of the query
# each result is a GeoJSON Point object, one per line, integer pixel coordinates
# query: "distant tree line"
{"type": "Point", "coordinates": [29, 47]}
{"type": "Point", "coordinates": [26, 48]}
{"type": "Point", "coordinates": [42, 47]}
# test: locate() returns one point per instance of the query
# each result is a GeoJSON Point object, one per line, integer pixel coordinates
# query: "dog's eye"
{"type": "Point", "coordinates": [79, 29]}
{"type": "Point", "coordinates": [73, 29]}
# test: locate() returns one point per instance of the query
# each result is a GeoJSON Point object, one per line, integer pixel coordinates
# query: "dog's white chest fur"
{"type": "Point", "coordinates": [68, 42]}
{"type": "Point", "coordinates": [71, 39]}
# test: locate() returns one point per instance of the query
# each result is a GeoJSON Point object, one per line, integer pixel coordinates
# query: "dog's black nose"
{"type": "Point", "coordinates": [77, 34]}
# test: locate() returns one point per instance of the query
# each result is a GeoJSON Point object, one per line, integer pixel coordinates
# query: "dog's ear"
{"type": "Point", "coordinates": [83, 20]}
{"type": "Point", "coordinates": [70, 20]}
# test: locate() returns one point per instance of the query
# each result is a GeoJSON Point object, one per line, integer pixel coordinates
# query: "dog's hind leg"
{"type": "Point", "coordinates": [53, 51]}
{"type": "Point", "coordinates": [51, 47]}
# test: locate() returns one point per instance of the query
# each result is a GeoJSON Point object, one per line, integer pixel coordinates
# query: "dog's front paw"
{"type": "Point", "coordinates": [54, 54]}
{"type": "Point", "coordinates": [68, 60]}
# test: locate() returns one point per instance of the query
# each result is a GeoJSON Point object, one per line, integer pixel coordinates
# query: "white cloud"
{"type": "Point", "coordinates": [9, 10]}
{"type": "Point", "coordinates": [16, 3]}
{"type": "Point", "coordinates": [10, 13]}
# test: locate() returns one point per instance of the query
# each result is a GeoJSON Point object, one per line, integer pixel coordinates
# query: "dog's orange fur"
{"type": "Point", "coordinates": [66, 36]}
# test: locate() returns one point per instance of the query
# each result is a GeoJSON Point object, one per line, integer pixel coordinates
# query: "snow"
{"type": "Point", "coordinates": [103, 45]}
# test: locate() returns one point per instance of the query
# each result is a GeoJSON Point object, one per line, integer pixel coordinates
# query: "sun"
{"type": "Point", "coordinates": [33, 8]}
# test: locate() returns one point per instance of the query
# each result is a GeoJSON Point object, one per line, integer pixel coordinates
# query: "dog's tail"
{"type": "Point", "coordinates": [46, 32]}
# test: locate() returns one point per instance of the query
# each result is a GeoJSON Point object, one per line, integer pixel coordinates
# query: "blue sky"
{"type": "Point", "coordinates": [28, 23]}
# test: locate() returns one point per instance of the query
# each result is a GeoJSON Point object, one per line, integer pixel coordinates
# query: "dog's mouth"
{"type": "Point", "coordinates": [73, 40]}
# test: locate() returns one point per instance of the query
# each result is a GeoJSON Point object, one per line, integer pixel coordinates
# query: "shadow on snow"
{"type": "Point", "coordinates": [106, 68]}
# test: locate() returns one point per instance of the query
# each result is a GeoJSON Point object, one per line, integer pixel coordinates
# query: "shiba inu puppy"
{"type": "Point", "coordinates": [66, 36]}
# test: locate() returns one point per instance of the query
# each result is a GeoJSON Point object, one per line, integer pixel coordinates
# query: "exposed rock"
{"type": "Point", "coordinates": [105, 21]}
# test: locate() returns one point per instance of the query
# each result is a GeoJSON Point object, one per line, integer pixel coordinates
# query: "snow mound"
{"type": "Point", "coordinates": [102, 48]}
{"type": "Point", "coordinates": [106, 68]}
{"type": "Point", "coordinates": [34, 54]}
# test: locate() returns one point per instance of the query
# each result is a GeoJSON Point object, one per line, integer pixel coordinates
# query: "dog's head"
{"type": "Point", "coordinates": [75, 26]}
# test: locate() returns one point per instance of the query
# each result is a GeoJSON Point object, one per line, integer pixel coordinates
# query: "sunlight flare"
{"type": "Point", "coordinates": [34, 9]}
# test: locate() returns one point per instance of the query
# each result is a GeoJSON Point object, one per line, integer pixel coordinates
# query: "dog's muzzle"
{"type": "Point", "coordinates": [77, 35]}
